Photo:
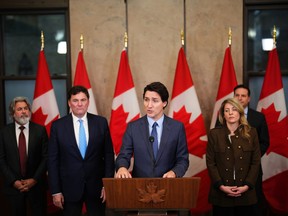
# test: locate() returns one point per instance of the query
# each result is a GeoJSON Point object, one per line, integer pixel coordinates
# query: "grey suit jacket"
{"type": "Point", "coordinates": [172, 154]}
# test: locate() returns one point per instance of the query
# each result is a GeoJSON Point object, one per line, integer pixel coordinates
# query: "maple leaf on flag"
{"type": "Point", "coordinates": [272, 117]}
{"type": "Point", "coordinates": [117, 126]}
{"type": "Point", "coordinates": [196, 146]}
{"type": "Point", "coordinates": [40, 116]}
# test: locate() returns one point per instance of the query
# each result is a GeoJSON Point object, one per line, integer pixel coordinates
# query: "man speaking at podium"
{"type": "Point", "coordinates": [157, 142]}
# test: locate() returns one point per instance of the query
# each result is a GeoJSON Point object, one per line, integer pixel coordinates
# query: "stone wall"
{"type": "Point", "coordinates": [154, 28]}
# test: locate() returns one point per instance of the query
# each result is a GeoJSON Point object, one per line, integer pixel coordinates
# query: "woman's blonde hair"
{"type": "Point", "coordinates": [242, 121]}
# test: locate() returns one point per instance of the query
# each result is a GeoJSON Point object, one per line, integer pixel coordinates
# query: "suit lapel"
{"type": "Point", "coordinates": [144, 132]}
{"type": "Point", "coordinates": [164, 137]}
{"type": "Point", "coordinates": [91, 129]}
{"type": "Point", "coordinates": [248, 115]}
{"type": "Point", "coordinates": [70, 134]}
{"type": "Point", "coordinates": [13, 139]}
{"type": "Point", "coordinates": [31, 137]}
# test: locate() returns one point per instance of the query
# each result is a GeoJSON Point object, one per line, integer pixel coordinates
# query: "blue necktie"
{"type": "Point", "coordinates": [155, 142]}
{"type": "Point", "coordinates": [82, 139]}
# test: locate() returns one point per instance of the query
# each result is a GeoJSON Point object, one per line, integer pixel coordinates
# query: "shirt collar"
{"type": "Point", "coordinates": [18, 125]}
{"type": "Point", "coordinates": [246, 111]}
{"type": "Point", "coordinates": [159, 121]}
{"type": "Point", "coordinates": [75, 118]}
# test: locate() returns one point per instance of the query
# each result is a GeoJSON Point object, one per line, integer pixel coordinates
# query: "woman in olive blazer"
{"type": "Point", "coordinates": [233, 160]}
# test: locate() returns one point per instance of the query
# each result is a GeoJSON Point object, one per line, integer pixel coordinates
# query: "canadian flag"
{"type": "Point", "coordinates": [227, 84]}
{"type": "Point", "coordinates": [125, 107]}
{"type": "Point", "coordinates": [81, 78]}
{"type": "Point", "coordinates": [185, 107]}
{"type": "Point", "coordinates": [275, 161]}
{"type": "Point", "coordinates": [44, 106]}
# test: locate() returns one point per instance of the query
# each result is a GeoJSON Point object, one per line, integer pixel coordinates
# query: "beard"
{"type": "Point", "coordinates": [22, 120]}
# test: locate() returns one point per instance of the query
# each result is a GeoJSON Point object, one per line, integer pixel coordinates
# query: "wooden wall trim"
{"type": "Point", "coordinates": [271, 2]}
{"type": "Point", "coordinates": [33, 4]}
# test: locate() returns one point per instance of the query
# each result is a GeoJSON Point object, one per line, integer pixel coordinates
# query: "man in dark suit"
{"type": "Point", "coordinates": [24, 171]}
{"type": "Point", "coordinates": [169, 157]}
{"type": "Point", "coordinates": [257, 120]}
{"type": "Point", "coordinates": [75, 176]}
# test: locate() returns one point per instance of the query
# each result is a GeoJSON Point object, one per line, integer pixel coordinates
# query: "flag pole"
{"type": "Point", "coordinates": [42, 41]}
{"type": "Point", "coordinates": [274, 36]}
{"type": "Point", "coordinates": [81, 42]}
{"type": "Point", "coordinates": [182, 38]}
{"type": "Point", "coordinates": [230, 37]}
{"type": "Point", "coordinates": [125, 40]}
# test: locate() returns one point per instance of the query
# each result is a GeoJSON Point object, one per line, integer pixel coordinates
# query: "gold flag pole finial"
{"type": "Point", "coordinates": [274, 36]}
{"type": "Point", "coordinates": [81, 42]}
{"type": "Point", "coordinates": [230, 37]}
{"type": "Point", "coordinates": [42, 40]}
{"type": "Point", "coordinates": [182, 37]}
{"type": "Point", "coordinates": [125, 40]}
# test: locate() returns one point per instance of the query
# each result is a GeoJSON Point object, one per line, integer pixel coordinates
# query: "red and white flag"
{"type": "Point", "coordinates": [81, 78]}
{"type": "Point", "coordinates": [275, 161]}
{"type": "Point", "coordinates": [44, 106]}
{"type": "Point", "coordinates": [227, 84]}
{"type": "Point", "coordinates": [125, 107]}
{"type": "Point", "coordinates": [185, 107]}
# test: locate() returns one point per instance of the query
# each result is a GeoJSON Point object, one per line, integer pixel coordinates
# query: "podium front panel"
{"type": "Point", "coordinates": [151, 193]}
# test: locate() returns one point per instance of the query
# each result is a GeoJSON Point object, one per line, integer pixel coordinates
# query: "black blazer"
{"type": "Point", "coordinates": [37, 156]}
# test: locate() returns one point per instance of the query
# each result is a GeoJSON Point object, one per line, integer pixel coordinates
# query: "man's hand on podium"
{"type": "Point", "coordinates": [123, 173]}
{"type": "Point", "coordinates": [169, 174]}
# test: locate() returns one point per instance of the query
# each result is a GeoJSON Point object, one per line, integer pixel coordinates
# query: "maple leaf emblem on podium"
{"type": "Point", "coordinates": [151, 194]}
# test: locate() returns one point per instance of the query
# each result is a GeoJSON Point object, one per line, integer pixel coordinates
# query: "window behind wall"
{"type": "Point", "coordinates": [260, 17]}
{"type": "Point", "coordinates": [21, 28]}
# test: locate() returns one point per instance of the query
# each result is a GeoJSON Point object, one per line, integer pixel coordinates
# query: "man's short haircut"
{"type": "Point", "coordinates": [77, 89]}
{"type": "Point", "coordinates": [160, 89]}
{"type": "Point", "coordinates": [242, 86]}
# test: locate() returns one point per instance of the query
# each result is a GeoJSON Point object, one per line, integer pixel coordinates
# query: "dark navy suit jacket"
{"type": "Point", "coordinates": [257, 120]}
{"type": "Point", "coordinates": [68, 172]}
{"type": "Point", "coordinates": [172, 153]}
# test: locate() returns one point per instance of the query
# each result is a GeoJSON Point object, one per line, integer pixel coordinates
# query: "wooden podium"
{"type": "Point", "coordinates": [148, 195]}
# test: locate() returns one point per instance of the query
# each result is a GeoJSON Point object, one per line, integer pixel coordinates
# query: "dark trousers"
{"type": "Point", "coordinates": [260, 208]}
{"type": "Point", "coordinates": [25, 204]}
{"type": "Point", "coordinates": [233, 211]}
{"type": "Point", "coordinates": [94, 207]}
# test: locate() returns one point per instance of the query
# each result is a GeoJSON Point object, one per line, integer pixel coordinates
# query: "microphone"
{"type": "Point", "coordinates": [151, 139]}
